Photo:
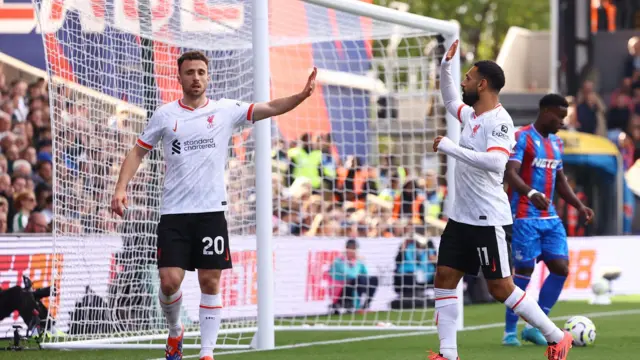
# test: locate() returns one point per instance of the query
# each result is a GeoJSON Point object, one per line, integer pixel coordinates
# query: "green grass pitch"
{"type": "Point", "coordinates": [618, 336]}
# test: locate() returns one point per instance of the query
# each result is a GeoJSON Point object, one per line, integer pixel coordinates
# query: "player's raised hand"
{"type": "Point", "coordinates": [540, 201]}
{"type": "Point", "coordinates": [436, 142]}
{"type": "Point", "coordinates": [452, 50]}
{"type": "Point", "coordinates": [119, 202]}
{"type": "Point", "coordinates": [587, 214]}
{"type": "Point", "coordinates": [311, 83]}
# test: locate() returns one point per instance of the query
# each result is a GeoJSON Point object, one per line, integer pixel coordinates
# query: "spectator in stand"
{"type": "Point", "coordinates": [619, 116]}
{"type": "Point", "coordinates": [434, 195]}
{"type": "Point", "coordinates": [590, 111]}
{"type": "Point", "coordinates": [390, 171]}
{"type": "Point", "coordinates": [44, 170]}
{"type": "Point", "coordinates": [632, 62]}
{"type": "Point", "coordinates": [37, 223]}
{"type": "Point", "coordinates": [624, 89]}
{"type": "Point", "coordinates": [410, 203]}
{"type": "Point", "coordinates": [24, 203]}
{"type": "Point", "coordinates": [17, 96]}
{"type": "Point", "coordinates": [329, 163]}
{"type": "Point", "coordinates": [355, 181]}
{"type": "Point", "coordinates": [394, 187]}
{"type": "Point", "coordinates": [18, 184]}
{"type": "Point", "coordinates": [306, 161]}
{"type": "Point", "coordinates": [21, 167]}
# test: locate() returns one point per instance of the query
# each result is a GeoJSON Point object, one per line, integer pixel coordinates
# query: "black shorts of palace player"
{"type": "Point", "coordinates": [194, 241]}
{"type": "Point", "coordinates": [469, 248]}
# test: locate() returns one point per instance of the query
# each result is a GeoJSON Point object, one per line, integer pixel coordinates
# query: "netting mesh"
{"type": "Point", "coordinates": [352, 161]}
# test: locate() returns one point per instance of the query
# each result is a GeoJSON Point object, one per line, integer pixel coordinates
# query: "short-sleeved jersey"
{"type": "Point", "coordinates": [540, 158]}
{"type": "Point", "coordinates": [195, 144]}
{"type": "Point", "coordinates": [479, 194]}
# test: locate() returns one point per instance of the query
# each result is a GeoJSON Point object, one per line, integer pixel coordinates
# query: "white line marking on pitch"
{"type": "Point", "coordinates": [415, 333]}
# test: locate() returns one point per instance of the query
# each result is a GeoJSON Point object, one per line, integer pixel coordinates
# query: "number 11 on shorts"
{"type": "Point", "coordinates": [217, 243]}
{"type": "Point", "coordinates": [483, 254]}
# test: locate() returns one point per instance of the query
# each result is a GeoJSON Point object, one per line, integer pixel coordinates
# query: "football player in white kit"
{"type": "Point", "coordinates": [478, 233]}
{"type": "Point", "coordinates": [192, 232]}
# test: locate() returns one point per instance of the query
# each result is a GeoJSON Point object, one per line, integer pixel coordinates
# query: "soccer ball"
{"type": "Point", "coordinates": [582, 329]}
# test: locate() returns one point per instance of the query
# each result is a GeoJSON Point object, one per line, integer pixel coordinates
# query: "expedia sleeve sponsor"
{"type": "Point", "coordinates": [199, 144]}
{"type": "Point", "coordinates": [502, 132]}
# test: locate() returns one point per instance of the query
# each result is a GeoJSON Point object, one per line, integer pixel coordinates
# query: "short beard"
{"type": "Point", "coordinates": [470, 98]}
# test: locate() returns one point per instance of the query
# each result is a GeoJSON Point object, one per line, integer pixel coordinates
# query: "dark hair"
{"type": "Point", "coordinates": [553, 100]}
{"type": "Point", "coordinates": [352, 244]}
{"type": "Point", "coordinates": [492, 72]}
{"type": "Point", "coordinates": [192, 55]}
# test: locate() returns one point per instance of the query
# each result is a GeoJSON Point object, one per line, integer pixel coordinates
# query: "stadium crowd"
{"type": "Point", "coordinates": [25, 157]}
{"type": "Point", "coordinates": [618, 117]}
{"type": "Point", "coordinates": [319, 195]}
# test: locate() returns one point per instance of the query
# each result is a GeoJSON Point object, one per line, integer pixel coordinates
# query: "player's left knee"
{"type": "Point", "coordinates": [500, 289]}
{"type": "Point", "coordinates": [558, 267]}
{"type": "Point", "coordinates": [209, 281]}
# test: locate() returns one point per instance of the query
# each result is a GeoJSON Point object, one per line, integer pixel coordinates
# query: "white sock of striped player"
{"type": "Point", "coordinates": [210, 317]}
{"type": "Point", "coordinates": [529, 310]}
{"type": "Point", "coordinates": [446, 319]}
{"type": "Point", "coordinates": [170, 305]}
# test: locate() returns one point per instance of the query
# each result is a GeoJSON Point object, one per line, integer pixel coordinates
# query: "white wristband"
{"type": "Point", "coordinates": [532, 192]}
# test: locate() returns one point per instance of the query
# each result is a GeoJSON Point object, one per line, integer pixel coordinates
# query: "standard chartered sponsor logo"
{"type": "Point", "coordinates": [199, 144]}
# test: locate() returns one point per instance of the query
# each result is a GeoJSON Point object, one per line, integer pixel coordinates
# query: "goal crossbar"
{"type": "Point", "coordinates": [448, 29]}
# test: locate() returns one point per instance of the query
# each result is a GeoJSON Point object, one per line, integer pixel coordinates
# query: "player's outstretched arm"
{"type": "Point", "coordinates": [128, 170]}
{"type": "Point", "coordinates": [494, 161]}
{"type": "Point", "coordinates": [567, 194]}
{"type": "Point", "coordinates": [450, 93]}
{"type": "Point", "coordinates": [283, 105]}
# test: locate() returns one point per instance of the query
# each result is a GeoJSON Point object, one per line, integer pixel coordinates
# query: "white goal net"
{"type": "Point", "coordinates": [352, 162]}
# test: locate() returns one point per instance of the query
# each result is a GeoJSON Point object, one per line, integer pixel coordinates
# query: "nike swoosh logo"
{"type": "Point", "coordinates": [176, 126]}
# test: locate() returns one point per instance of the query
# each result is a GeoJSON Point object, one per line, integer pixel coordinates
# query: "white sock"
{"type": "Point", "coordinates": [529, 310]}
{"type": "Point", "coordinates": [446, 321]}
{"type": "Point", "coordinates": [170, 305]}
{"type": "Point", "coordinates": [210, 316]}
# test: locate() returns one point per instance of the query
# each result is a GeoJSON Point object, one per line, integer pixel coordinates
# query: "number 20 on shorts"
{"type": "Point", "coordinates": [217, 244]}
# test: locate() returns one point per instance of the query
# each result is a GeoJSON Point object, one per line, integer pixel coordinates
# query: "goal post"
{"type": "Point", "coordinates": [288, 237]}
{"type": "Point", "coordinates": [265, 335]}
